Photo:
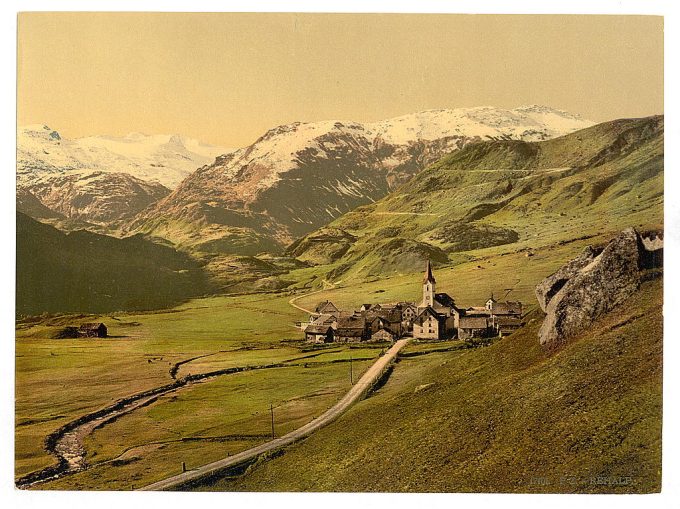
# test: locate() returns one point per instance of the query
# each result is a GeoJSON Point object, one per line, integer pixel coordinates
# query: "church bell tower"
{"type": "Point", "coordinates": [428, 287]}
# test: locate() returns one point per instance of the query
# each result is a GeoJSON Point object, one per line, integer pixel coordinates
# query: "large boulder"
{"type": "Point", "coordinates": [547, 288]}
{"type": "Point", "coordinates": [592, 284]}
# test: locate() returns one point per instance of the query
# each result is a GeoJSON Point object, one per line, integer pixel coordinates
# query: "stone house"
{"type": "Point", "coordinates": [409, 312]}
{"type": "Point", "coordinates": [351, 329]}
{"type": "Point", "coordinates": [473, 327]}
{"type": "Point", "coordinates": [429, 324]}
{"type": "Point", "coordinates": [319, 334]}
{"type": "Point", "coordinates": [323, 319]}
{"type": "Point", "coordinates": [326, 307]}
{"type": "Point", "coordinates": [382, 335]}
{"type": "Point", "coordinates": [383, 318]}
{"type": "Point", "coordinates": [507, 308]}
{"type": "Point", "coordinates": [504, 325]}
{"type": "Point", "coordinates": [92, 330]}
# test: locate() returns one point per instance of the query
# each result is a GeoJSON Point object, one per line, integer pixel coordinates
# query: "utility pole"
{"type": "Point", "coordinates": [351, 373]}
{"type": "Point", "coordinates": [271, 409]}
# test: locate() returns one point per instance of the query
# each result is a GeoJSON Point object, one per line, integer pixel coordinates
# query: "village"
{"type": "Point", "coordinates": [436, 317]}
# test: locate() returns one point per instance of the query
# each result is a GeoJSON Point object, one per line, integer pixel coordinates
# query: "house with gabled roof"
{"type": "Point", "coordinates": [326, 307]}
{"type": "Point", "coordinates": [351, 329]}
{"type": "Point", "coordinates": [382, 335]}
{"type": "Point", "coordinates": [507, 308]}
{"type": "Point", "coordinates": [505, 325]}
{"type": "Point", "coordinates": [473, 327]}
{"type": "Point", "coordinates": [429, 324]}
{"type": "Point", "coordinates": [319, 334]}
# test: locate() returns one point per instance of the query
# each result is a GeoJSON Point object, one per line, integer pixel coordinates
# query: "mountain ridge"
{"type": "Point", "coordinates": [501, 192]}
{"type": "Point", "coordinates": [300, 176]}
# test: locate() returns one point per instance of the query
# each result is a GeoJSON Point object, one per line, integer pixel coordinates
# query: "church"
{"type": "Point", "coordinates": [438, 315]}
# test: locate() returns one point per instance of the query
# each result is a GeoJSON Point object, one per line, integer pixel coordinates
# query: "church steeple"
{"type": "Point", "coordinates": [428, 286]}
{"type": "Point", "coordinates": [428, 274]}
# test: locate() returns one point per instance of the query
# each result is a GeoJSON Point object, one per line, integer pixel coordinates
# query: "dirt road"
{"type": "Point", "coordinates": [327, 286]}
{"type": "Point", "coordinates": [357, 392]}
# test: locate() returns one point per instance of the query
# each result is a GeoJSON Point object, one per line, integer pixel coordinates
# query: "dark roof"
{"type": "Point", "coordinates": [477, 311]}
{"type": "Point", "coordinates": [444, 299]}
{"type": "Point", "coordinates": [506, 308]}
{"type": "Point", "coordinates": [383, 332]}
{"type": "Point", "coordinates": [473, 322]}
{"type": "Point", "coordinates": [351, 322]}
{"type": "Point", "coordinates": [429, 310]}
{"type": "Point", "coordinates": [349, 332]}
{"type": "Point", "coordinates": [389, 315]}
{"type": "Point", "coordinates": [325, 306]}
{"type": "Point", "coordinates": [92, 326]}
{"type": "Point", "coordinates": [324, 319]}
{"type": "Point", "coordinates": [428, 273]}
{"type": "Point", "coordinates": [366, 306]}
{"type": "Point", "coordinates": [317, 329]}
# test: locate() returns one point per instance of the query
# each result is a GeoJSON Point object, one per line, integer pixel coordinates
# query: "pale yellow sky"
{"type": "Point", "coordinates": [227, 78]}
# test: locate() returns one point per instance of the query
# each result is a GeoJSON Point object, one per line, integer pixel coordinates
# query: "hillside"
{"type": "Point", "coordinates": [511, 417]}
{"type": "Point", "coordinates": [501, 192]}
{"type": "Point", "coordinates": [98, 198]}
{"type": "Point", "coordinates": [87, 272]}
{"type": "Point", "coordinates": [301, 176]}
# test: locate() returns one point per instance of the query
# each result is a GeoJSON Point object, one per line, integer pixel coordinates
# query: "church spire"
{"type": "Point", "coordinates": [428, 273]}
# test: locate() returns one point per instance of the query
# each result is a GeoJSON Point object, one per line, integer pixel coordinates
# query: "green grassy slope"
{"type": "Point", "coordinates": [497, 193]}
{"type": "Point", "coordinates": [511, 417]}
{"type": "Point", "coordinates": [87, 272]}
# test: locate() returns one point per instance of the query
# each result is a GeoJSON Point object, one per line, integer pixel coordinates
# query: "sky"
{"type": "Point", "coordinates": [227, 78]}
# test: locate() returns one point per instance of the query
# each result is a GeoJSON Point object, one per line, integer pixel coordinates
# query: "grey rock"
{"type": "Point", "coordinates": [591, 285]}
{"type": "Point", "coordinates": [547, 288]}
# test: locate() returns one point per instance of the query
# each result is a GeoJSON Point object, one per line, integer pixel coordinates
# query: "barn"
{"type": "Point", "coordinates": [92, 330]}
{"type": "Point", "coordinates": [473, 327]}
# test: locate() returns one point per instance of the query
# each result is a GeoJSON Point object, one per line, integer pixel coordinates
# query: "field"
{"type": "Point", "coordinates": [61, 379]}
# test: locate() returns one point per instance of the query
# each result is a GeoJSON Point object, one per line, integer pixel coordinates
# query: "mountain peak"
{"type": "Point", "coordinates": [540, 108]}
{"type": "Point", "coordinates": [40, 131]}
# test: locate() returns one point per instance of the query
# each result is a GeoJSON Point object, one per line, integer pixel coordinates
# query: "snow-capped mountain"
{"type": "Point", "coordinates": [530, 123]}
{"type": "Point", "coordinates": [300, 176]}
{"type": "Point", "coordinates": [164, 158]}
{"type": "Point", "coordinates": [101, 180]}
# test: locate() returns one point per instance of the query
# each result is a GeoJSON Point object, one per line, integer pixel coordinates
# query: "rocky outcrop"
{"type": "Point", "coordinates": [595, 282]}
{"type": "Point", "coordinates": [99, 197]}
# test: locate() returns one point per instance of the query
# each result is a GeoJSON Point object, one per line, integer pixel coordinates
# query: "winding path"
{"type": "Point", "coordinates": [293, 301]}
{"type": "Point", "coordinates": [360, 389]}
